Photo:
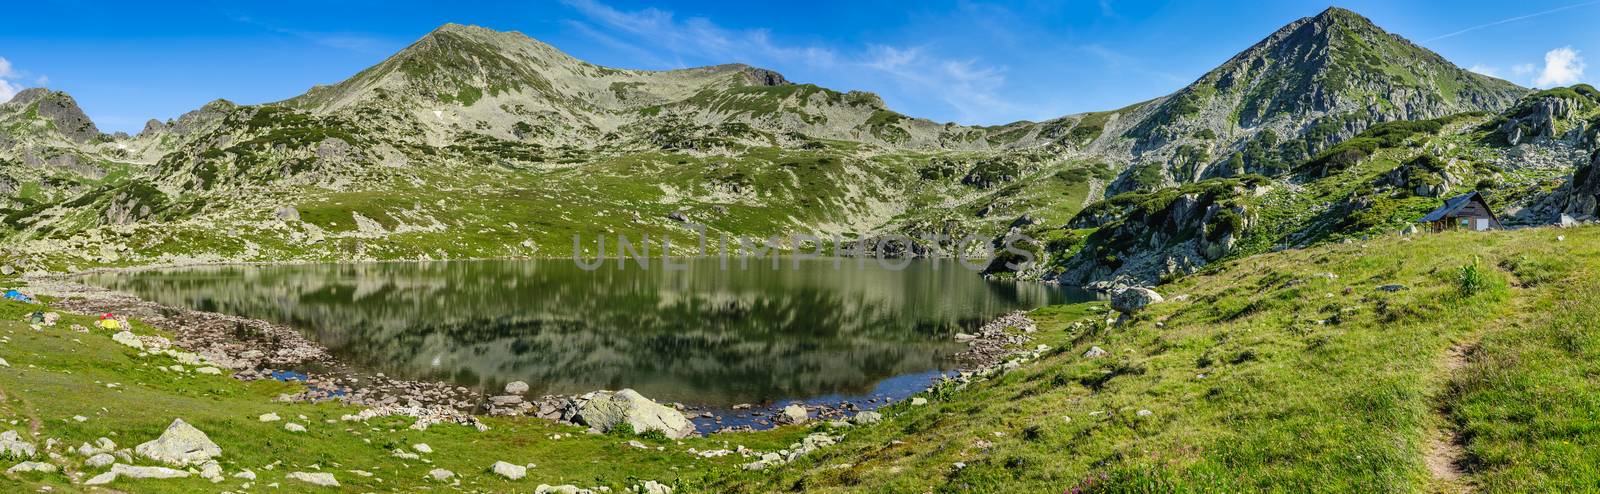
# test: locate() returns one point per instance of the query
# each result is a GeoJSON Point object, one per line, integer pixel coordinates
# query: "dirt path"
{"type": "Point", "coordinates": [1447, 456]}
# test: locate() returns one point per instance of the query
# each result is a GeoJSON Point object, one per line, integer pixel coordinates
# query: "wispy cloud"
{"type": "Point", "coordinates": [359, 43]}
{"type": "Point", "coordinates": [1509, 20]}
{"type": "Point", "coordinates": [1485, 70]}
{"type": "Point", "coordinates": [10, 79]}
{"type": "Point", "coordinates": [968, 87]}
{"type": "Point", "coordinates": [1118, 61]}
{"type": "Point", "coordinates": [1562, 66]}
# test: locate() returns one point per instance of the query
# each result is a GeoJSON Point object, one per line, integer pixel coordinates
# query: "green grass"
{"type": "Point", "coordinates": [1270, 376]}
{"type": "Point", "coordinates": [57, 374]}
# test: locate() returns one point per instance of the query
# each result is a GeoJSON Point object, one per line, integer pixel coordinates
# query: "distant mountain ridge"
{"type": "Point", "coordinates": [446, 149]}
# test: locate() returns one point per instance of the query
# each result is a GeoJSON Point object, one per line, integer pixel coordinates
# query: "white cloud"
{"type": "Point", "coordinates": [1562, 66]}
{"type": "Point", "coordinates": [1485, 70]}
{"type": "Point", "coordinates": [1523, 69]}
{"type": "Point", "coordinates": [8, 76]}
{"type": "Point", "coordinates": [967, 87]}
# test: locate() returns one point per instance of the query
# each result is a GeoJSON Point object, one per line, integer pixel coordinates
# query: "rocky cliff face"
{"type": "Point", "coordinates": [1583, 196]}
{"type": "Point", "coordinates": [1141, 238]}
{"type": "Point", "coordinates": [56, 109]}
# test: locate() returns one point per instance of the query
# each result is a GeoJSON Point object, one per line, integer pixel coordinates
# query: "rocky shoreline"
{"type": "Point", "coordinates": [256, 349]}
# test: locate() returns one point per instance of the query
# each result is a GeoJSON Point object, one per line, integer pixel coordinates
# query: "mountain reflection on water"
{"type": "Point", "coordinates": [703, 335]}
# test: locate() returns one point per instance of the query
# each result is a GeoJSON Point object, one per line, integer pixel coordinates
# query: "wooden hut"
{"type": "Point", "coordinates": [1464, 212]}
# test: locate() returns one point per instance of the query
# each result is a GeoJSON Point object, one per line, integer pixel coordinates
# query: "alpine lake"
{"type": "Point", "coordinates": [703, 334]}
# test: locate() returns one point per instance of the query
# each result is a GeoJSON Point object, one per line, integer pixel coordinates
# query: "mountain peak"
{"type": "Point", "coordinates": [1339, 13]}
{"type": "Point", "coordinates": [60, 109]}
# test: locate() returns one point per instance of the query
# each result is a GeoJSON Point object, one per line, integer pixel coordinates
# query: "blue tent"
{"type": "Point", "coordinates": [17, 296]}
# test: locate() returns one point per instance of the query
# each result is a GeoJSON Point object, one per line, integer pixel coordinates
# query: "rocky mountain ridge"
{"type": "Point", "coordinates": [470, 131]}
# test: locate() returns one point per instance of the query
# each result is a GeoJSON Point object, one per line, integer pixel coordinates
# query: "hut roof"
{"type": "Point", "coordinates": [1454, 204]}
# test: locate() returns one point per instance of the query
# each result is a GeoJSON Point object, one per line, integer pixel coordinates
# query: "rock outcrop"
{"type": "Point", "coordinates": [180, 445]}
{"type": "Point", "coordinates": [605, 410]}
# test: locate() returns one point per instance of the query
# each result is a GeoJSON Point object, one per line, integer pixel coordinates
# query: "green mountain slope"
{"type": "Point", "coordinates": [1287, 371]}
{"type": "Point", "coordinates": [1313, 83]}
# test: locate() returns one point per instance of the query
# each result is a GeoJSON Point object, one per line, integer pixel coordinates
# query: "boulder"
{"type": "Point", "coordinates": [293, 427]}
{"type": "Point", "coordinates": [31, 466]}
{"type": "Point", "coordinates": [651, 487]}
{"type": "Point", "coordinates": [99, 460]}
{"type": "Point", "coordinates": [919, 401]}
{"type": "Point", "coordinates": [865, 418]}
{"type": "Point", "coordinates": [269, 417]}
{"type": "Point", "coordinates": [12, 445]}
{"type": "Point", "coordinates": [516, 388]}
{"type": "Point", "coordinates": [1095, 352]}
{"type": "Point", "coordinates": [1129, 300]}
{"type": "Point", "coordinates": [509, 471]}
{"type": "Point", "coordinates": [604, 410]}
{"type": "Point", "coordinates": [318, 478]}
{"type": "Point", "coordinates": [127, 338]}
{"type": "Point", "coordinates": [180, 445]}
{"type": "Point", "coordinates": [120, 470]}
{"type": "Point", "coordinates": [440, 474]}
{"type": "Point", "coordinates": [793, 414]}
{"type": "Point", "coordinates": [560, 489]}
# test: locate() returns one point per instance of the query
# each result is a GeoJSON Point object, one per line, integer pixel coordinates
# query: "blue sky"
{"type": "Point", "coordinates": [969, 62]}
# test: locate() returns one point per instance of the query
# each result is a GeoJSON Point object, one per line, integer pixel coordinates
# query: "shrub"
{"type": "Point", "coordinates": [1471, 280]}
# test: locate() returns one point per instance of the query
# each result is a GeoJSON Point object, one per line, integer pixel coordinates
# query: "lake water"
{"type": "Point", "coordinates": [704, 335]}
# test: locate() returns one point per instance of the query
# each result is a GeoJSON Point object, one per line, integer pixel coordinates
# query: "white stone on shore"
{"type": "Point", "coordinates": [127, 338]}
{"type": "Point", "coordinates": [516, 388]}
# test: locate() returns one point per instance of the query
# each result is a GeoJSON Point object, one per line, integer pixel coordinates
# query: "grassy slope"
{"type": "Point", "coordinates": [495, 212]}
{"type": "Point", "coordinates": [57, 374]}
{"type": "Point", "coordinates": [1310, 383]}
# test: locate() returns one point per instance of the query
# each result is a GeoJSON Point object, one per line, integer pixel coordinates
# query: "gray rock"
{"type": "Point", "coordinates": [603, 410]}
{"type": "Point", "coordinates": [651, 487]}
{"type": "Point", "coordinates": [100, 460]}
{"type": "Point", "coordinates": [440, 474]}
{"type": "Point", "coordinates": [516, 388]}
{"type": "Point", "coordinates": [314, 478]}
{"type": "Point", "coordinates": [793, 414]}
{"type": "Point", "coordinates": [865, 418]}
{"type": "Point", "coordinates": [1132, 299]}
{"type": "Point", "coordinates": [128, 339]}
{"type": "Point", "coordinates": [1095, 352]}
{"type": "Point", "coordinates": [181, 444]}
{"type": "Point", "coordinates": [31, 466]}
{"type": "Point", "coordinates": [120, 470]}
{"type": "Point", "coordinates": [12, 445]}
{"type": "Point", "coordinates": [560, 489]}
{"type": "Point", "coordinates": [1392, 288]}
{"type": "Point", "coordinates": [507, 470]}
{"type": "Point", "coordinates": [919, 401]}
